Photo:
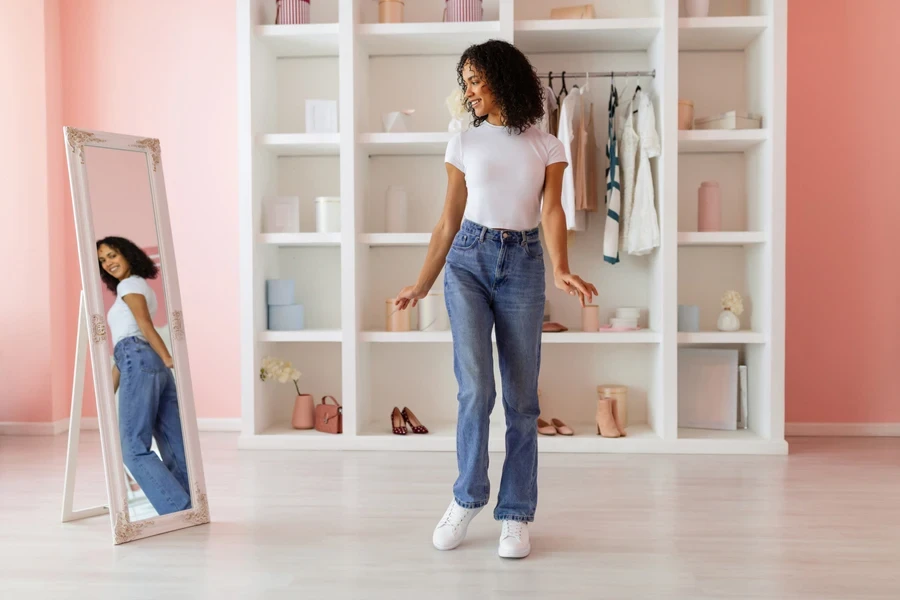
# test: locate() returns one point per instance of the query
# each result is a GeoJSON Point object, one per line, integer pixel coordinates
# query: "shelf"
{"type": "Point", "coordinates": [586, 35]}
{"type": "Point", "coordinates": [567, 337]}
{"type": "Point", "coordinates": [300, 144]}
{"type": "Point", "coordinates": [296, 41]}
{"type": "Point", "coordinates": [405, 144]}
{"type": "Point", "coordinates": [720, 140]}
{"type": "Point", "coordinates": [721, 337]}
{"type": "Point", "coordinates": [721, 238]}
{"type": "Point", "coordinates": [719, 33]}
{"type": "Point", "coordinates": [441, 437]}
{"type": "Point", "coordinates": [301, 239]}
{"type": "Point", "coordinates": [411, 39]}
{"type": "Point", "coordinates": [395, 239]}
{"type": "Point", "coordinates": [305, 335]}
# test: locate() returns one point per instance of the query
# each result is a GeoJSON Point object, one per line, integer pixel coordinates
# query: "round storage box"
{"type": "Point", "coordinates": [395, 319]}
{"type": "Point", "coordinates": [328, 214]}
{"type": "Point", "coordinates": [390, 11]}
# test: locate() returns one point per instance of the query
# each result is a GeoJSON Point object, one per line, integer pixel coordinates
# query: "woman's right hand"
{"type": "Point", "coordinates": [409, 294]}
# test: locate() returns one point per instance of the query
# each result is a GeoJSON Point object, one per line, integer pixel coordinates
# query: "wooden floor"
{"type": "Point", "coordinates": [822, 523]}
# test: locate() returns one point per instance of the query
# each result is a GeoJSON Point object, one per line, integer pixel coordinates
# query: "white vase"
{"type": "Point", "coordinates": [728, 321]}
{"type": "Point", "coordinates": [697, 8]}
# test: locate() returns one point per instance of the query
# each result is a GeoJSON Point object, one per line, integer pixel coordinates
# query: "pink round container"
{"type": "Point", "coordinates": [709, 207]}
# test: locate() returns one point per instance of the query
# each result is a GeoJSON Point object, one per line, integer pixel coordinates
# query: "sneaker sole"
{"type": "Point", "coordinates": [519, 554]}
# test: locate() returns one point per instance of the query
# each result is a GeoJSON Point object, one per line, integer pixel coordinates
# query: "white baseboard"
{"type": "Point", "coordinates": [219, 424]}
{"type": "Point", "coordinates": [92, 424]}
{"type": "Point", "coordinates": [842, 429]}
{"type": "Point", "coordinates": [12, 428]}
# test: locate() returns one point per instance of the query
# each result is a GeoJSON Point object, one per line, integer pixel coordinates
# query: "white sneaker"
{"type": "Point", "coordinates": [451, 530]}
{"type": "Point", "coordinates": [514, 541]}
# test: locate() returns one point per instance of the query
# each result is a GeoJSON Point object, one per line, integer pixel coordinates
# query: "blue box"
{"type": "Point", "coordinates": [279, 292]}
{"type": "Point", "coordinates": [286, 318]}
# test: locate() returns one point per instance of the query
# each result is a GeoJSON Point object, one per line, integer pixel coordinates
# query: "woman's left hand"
{"type": "Point", "coordinates": [169, 362]}
{"type": "Point", "coordinates": [573, 284]}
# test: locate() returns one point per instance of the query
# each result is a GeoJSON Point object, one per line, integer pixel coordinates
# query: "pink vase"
{"type": "Point", "coordinates": [709, 207]}
{"type": "Point", "coordinates": [304, 412]}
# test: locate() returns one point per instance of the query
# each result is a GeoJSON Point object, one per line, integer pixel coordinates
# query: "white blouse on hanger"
{"type": "Point", "coordinates": [576, 220]}
{"type": "Point", "coordinates": [643, 229]}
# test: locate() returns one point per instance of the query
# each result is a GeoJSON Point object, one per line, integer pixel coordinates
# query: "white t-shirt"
{"type": "Point", "coordinates": [121, 320]}
{"type": "Point", "coordinates": [504, 173]}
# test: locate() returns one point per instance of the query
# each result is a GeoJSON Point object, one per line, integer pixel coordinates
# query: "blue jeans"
{"type": "Point", "coordinates": [148, 408]}
{"type": "Point", "coordinates": [495, 279]}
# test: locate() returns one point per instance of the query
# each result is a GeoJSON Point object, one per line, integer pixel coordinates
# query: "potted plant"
{"type": "Point", "coordinates": [275, 369]}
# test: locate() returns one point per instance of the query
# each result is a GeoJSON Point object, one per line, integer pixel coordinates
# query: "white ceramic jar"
{"type": "Point", "coordinates": [328, 214]}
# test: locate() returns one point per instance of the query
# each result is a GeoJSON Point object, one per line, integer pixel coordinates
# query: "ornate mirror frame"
{"type": "Point", "coordinates": [124, 530]}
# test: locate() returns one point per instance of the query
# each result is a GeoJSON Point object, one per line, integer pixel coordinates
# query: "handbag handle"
{"type": "Point", "coordinates": [332, 399]}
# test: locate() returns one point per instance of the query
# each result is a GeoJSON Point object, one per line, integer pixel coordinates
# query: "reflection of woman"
{"type": "Point", "coordinates": [148, 402]}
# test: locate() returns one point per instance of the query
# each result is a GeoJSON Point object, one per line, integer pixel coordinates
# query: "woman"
{"type": "Point", "coordinates": [148, 402]}
{"type": "Point", "coordinates": [498, 171]}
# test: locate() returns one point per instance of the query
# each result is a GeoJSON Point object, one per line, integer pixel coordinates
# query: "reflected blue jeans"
{"type": "Point", "coordinates": [495, 279]}
{"type": "Point", "coordinates": [148, 409]}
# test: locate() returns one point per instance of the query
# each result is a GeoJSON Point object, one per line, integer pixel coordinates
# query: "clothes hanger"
{"type": "Point", "coordinates": [563, 90]}
{"type": "Point", "coordinates": [550, 77]}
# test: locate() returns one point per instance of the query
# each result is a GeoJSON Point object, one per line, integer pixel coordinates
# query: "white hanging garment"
{"type": "Point", "coordinates": [643, 231]}
{"type": "Point", "coordinates": [550, 105]}
{"type": "Point", "coordinates": [628, 146]}
{"type": "Point", "coordinates": [576, 220]}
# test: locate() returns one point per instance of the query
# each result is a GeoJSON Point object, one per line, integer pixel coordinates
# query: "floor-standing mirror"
{"type": "Point", "coordinates": [137, 338]}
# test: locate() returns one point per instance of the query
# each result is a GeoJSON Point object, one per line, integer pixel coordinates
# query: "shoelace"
{"type": "Point", "coordinates": [454, 517]}
{"type": "Point", "coordinates": [512, 529]}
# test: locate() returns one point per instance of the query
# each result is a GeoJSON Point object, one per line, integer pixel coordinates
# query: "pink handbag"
{"type": "Point", "coordinates": [463, 10]}
{"type": "Point", "coordinates": [292, 12]}
{"type": "Point", "coordinates": [329, 418]}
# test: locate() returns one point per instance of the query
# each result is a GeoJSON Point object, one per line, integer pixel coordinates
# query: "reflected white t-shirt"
{"type": "Point", "coordinates": [121, 320]}
{"type": "Point", "coordinates": [504, 173]}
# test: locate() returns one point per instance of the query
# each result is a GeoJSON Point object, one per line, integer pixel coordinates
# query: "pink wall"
{"type": "Point", "coordinates": [167, 70]}
{"type": "Point", "coordinates": [28, 345]}
{"type": "Point", "coordinates": [843, 213]}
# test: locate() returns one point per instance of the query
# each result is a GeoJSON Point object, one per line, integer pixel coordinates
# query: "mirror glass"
{"type": "Point", "coordinates": [149, 416]}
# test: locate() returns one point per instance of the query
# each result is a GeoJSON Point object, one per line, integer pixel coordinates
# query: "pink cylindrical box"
{"type": "Point", "coordinates": [390, 11]}
{"type": "Point", "coordinates": [590, 317]}
{"type": "Point", "coordinates": [463, 10]}
{"type": "Point", "coordinates": [709, 207]}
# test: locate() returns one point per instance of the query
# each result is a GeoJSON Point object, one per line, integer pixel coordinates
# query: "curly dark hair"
{"type": "Point", "coordinates": [511, 79]}
{"type": "Point", "coordinates": [141, 264]}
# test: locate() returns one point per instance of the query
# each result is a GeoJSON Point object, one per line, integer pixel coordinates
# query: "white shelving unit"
{"type": "Point", "coordinates": [733, 59]}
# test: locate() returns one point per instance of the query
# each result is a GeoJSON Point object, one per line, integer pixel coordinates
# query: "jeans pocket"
{"type": "Point", "coordinates": [534, 250]}
{"type": "Point", "coordinates": [464, 241]}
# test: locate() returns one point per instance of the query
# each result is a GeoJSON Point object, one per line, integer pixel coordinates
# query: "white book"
{"type": "Point", "coordinates": [742, 397]}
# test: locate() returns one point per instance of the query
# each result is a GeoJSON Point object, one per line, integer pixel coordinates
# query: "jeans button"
{"type": "Point", "coordinates": [505, 235]}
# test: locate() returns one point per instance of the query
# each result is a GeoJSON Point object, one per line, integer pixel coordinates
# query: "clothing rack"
{"type": "Point", "coordinates": [597, 74]}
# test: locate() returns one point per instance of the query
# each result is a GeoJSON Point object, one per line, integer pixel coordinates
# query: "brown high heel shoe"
{"type": "Point", "coordinates": [397, 422]}
{"type": "Point", "coordinates": [606, 422]}
{"type": "Point", "coordinates": [413, 422]}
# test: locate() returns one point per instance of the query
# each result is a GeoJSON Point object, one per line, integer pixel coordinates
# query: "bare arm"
{"type": "Point", "coordinates": [441, 239]}
{"type": "Point", "coordinates": [554, 220]}
{"type": "Point", "coordinates": [116, 375]}
{"type": "Point", "coordinates": [138, 305]}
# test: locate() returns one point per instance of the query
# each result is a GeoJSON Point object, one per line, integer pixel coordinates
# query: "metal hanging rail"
{"type": "Point", "coordinates": [597, 74]}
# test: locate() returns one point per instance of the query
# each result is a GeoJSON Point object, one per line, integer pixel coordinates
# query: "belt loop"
{"type": "Point", "coordinates": [483, 234]}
